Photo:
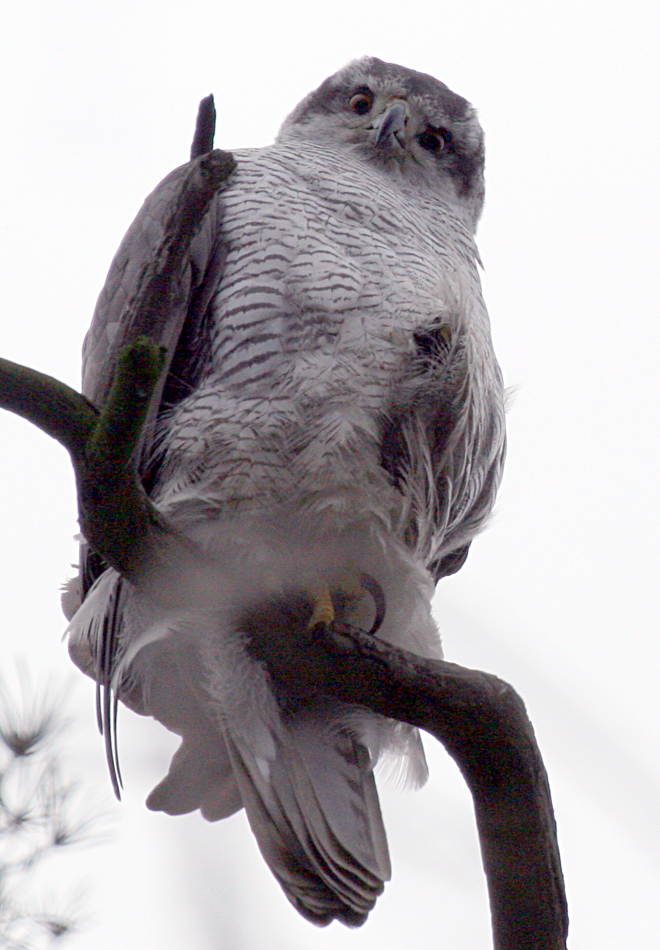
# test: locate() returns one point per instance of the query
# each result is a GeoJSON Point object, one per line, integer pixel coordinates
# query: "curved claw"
{"type": "Point", "coordinates": [324, 609]}
{"type": "Point", "coordinates": [371, 585]}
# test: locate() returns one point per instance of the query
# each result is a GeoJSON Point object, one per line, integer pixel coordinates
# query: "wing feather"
{"type": "Point", "coordinates": [181, 327]}
{"type": "Point", "coordinates": [443, 440]}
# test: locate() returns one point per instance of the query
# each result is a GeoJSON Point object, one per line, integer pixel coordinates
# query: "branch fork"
{"type": "Point", "coordinates": [479, 719]}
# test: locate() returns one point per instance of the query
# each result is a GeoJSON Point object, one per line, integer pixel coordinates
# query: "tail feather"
{"type": "Point", "coordinates": [281, 848]}
{"type": "Point", "coordinates": [353, 885]}
{"type": "Point", "coordinates": [300, 770]}
{"type": "Point", "coordinates": [200, 776]}
{"type": "Point", "coordinates": [314, 811]}
{"type": "Point", "coordinates": [338, 770]}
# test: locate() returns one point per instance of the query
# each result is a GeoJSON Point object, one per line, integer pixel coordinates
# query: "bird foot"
{"type": "Point", "coordinates": [324, 611]}
{"type": "Point", "coordinates": [341, 592]}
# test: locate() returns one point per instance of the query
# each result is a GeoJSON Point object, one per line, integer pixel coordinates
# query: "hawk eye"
{"type": "Point", "coordinates": [434, 140]}
{"type": "Point", "coordinates": [361, 102]}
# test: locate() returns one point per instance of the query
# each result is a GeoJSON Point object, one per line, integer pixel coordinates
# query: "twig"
{"type": "Point", "coordinates": [204, 128]}
{"type": "Point", "coordinates": [193, 188]}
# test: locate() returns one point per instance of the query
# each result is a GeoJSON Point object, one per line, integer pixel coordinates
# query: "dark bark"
{"type": "Point", "coordinates": [160, 282]}
{"type": "Point", "coordinates": [204, 128]}
{"type": "Point", "coordinates": [479, 719]}
{"type": "Point", "coordinates": [482, 723]}
{"type": "Point", "coordinates": [115, 514]}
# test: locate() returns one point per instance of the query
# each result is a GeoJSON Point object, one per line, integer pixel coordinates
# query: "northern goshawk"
{"type": "Point", "coordinates": [331, 434]}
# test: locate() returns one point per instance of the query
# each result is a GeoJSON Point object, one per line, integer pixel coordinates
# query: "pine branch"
{"type": "Point", "coordinates": [41, 813]}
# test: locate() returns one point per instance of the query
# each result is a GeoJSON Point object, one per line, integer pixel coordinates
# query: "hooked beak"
{"type": "Point", "coordinates": [389, 129]}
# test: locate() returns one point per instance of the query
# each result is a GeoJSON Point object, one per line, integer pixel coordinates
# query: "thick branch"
{"type": "Point", "coordinates": [116, 516]}
{"type": "Point", "coordinates": [482, 723]}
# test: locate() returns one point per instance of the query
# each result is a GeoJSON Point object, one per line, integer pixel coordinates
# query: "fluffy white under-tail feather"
{"type": "Point", "coordinates": [304, 773]}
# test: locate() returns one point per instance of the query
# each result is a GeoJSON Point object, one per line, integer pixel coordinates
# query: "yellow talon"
{"type": "Point", "coordinates": [323, 611]}
{"type": "Point", "coordinates": [349, 588]}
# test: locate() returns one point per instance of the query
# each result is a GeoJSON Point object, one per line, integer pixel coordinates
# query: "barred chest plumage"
{"type": "Point", "coordinates": [330, 269]}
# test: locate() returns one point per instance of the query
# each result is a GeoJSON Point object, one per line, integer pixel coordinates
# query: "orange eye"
{"type": "Point", "coordinates": [361, 103]}
{"type": "Point", "coordinates": [434, 140]}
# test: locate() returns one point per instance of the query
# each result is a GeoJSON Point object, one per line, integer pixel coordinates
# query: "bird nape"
{"type": "Point", "coordinates": [331, 434]}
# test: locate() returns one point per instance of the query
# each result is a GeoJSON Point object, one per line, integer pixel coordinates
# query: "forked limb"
{"type": "Point", "coordinates": [479, 719]}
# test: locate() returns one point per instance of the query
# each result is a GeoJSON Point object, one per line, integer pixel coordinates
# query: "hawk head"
{"type": "Point", "coordinates": [407, 122]}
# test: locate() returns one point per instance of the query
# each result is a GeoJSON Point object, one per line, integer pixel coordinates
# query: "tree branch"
{"type": "Point", "coordinates": [482, 723]}
{"type": "Point", "coordinates": [116, 516]}
{"type": "Point", "coordinates": [160, 281]}
{"type": "Point", "coordinates": [204, 128]}
{"type": "Point", "coordinates": [479, 719]}
{"type": "Point", "coordinates": [53, 407]}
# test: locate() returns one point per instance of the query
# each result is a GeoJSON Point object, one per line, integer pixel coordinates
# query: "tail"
{"type": "Point", "coordinates": [305, 779]}
{"type": "Point", "coordinates": [315, 814]}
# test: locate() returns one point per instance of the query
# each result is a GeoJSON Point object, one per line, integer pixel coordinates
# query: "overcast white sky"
{"type": "Point", "coordinates": [560, 596]}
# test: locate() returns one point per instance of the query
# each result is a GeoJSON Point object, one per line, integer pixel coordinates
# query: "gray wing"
{"type": "Point", "coordinates": [181, 327]}
{"type": "Point", "coordinates": [443, 444]}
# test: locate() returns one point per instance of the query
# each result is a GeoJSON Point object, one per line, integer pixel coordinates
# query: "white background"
{"type": "Point", "coordinates": [560, 596]}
